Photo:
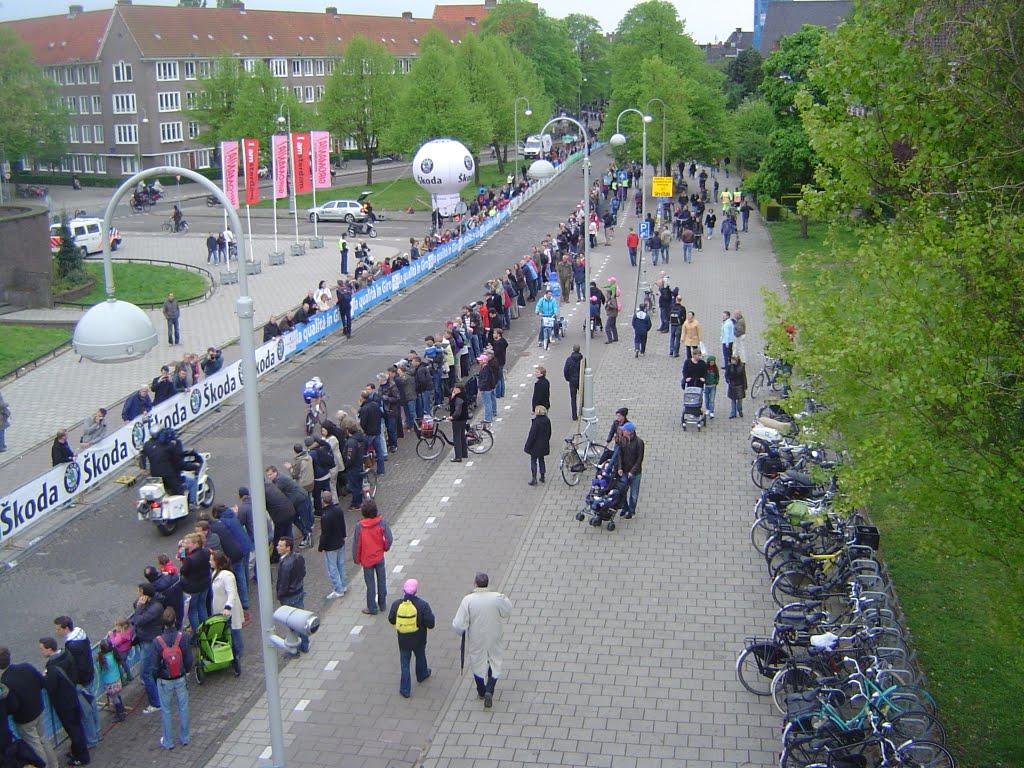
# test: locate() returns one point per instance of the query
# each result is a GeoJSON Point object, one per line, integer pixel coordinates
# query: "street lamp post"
{"type": "Point", "coordinates": [543, 169]}
{"type": "Point", "coordinates": [664, 115]}
{"type": "Point", "coordinates": [579, 99]}
{"type": "Point", "coordinates": [618, 140]}
{"type": "Point", "coordinates": [138, 141]}
{"type": "Point", "coordinates": [116, 331]}
{"type": "Point", "coordinates": [515, 128]}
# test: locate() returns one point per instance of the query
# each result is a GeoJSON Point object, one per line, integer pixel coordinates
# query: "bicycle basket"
{"type": "Point", "coordinates": [427, 427]}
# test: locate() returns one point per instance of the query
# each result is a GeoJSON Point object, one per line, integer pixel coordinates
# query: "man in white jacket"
{"type": "Point", "coordinates": [481, 621]}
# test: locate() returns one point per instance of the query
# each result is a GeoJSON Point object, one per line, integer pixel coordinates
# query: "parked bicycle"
{"type": "Point", "coordinates": [580, 455]}
{"type": "Point", "coordinates": [769, 376]}
{"type": "Point", "coordinates": [432, 438]}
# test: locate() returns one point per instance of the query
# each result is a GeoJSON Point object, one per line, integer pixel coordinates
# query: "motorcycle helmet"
{"type": "Point", "coordinates": [166, 435]}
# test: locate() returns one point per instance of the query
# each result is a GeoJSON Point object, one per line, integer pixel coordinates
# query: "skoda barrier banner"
{"type": "Point", "coordinates": [60, 485]}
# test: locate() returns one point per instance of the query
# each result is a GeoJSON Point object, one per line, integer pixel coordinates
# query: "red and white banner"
{"type": "Point", "coordinates": [229, 170]}
{"type": "Point", "coordinates": [279, 160]}
{"type": "Point", "coordinates": [301, 158]}
{"type": "Point", "coordinates": [251, 163]}
{"type": "Point", "coordinates": [321, 159]}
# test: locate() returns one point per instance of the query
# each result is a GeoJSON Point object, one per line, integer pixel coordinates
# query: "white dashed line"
{"type": "Point", "coordinates": [414, 543]}
{"type": "Point", "coordinates": [458, 481]}
{"type": "Point", "coordinates": [444, 499]}
{"type": "Point", "coordinates": [301, 706]}
{"type": "Point", "coordinates": [357, 629]}
{"type": "Point", "coordinates": [430, 520]}
{"type": "Point", "coordinates": [331, 666]}
{"type": "Point", "coordinates": [266, 753]}
{"type": "Point", "coordinates": [398, 569]}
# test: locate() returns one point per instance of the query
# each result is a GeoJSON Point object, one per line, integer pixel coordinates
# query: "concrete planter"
{"type": "Point", "coordinates": [298, 249]}
{"type": "Point", "coordinates": [253, 267]}
{"type": "Point", "coordinates": [316, 242]}
{"type": "Point", "coordinates": [276, 258]}
{"type": "Point", "coordinates": [229, 277]}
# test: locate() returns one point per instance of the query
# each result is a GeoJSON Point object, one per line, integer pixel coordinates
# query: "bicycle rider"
{"type": "Point", "coordinates": [176, 217]}
{"type": "Point", "coordinates": [313, 394]}
{"type": "Point", "coordinates": [547, 308]}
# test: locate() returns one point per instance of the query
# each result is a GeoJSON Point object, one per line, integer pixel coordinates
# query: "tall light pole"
{"type": "Point", "coordinates": [664, 115]}
{"type": "Point", "coordinates": [138, 141]}
{"type": "Point", "coordinates": [579, 99]}
{"type": "Point", "coordinates": [115, 331]}
{"type": "Point", "coordinates": [543, 169]}
{"type": "Point", "coordinates": [515, 128]}
{"type": "Point", "coordinates": [618, 140]}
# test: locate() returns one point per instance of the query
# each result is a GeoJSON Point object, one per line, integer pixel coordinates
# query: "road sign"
{"type": "Point", "coordinates": [645, 230]}
{"type": "Point", "coordinates": [661, 186]}
{"type": "Point", "coordinates": [623, 176]}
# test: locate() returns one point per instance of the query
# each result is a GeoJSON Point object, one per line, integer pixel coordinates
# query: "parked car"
{"type": "Point", "coordinates": [337, 210]}
{"type": "Point", "coordinates": [85, 232]}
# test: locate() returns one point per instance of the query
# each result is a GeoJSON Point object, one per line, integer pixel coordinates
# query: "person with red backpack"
{"type": "Point", "coordinates": [373, 539]}
{"type": "Point", "coordinates": [173, 654]}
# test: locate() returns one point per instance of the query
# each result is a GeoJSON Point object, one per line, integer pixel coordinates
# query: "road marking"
{"type": "Point", "coordinates": [414, 543]}
{"type": "Point", "coordinates": [331, 666]}
{"type": "Point", "coordinates": [301, 706]}
{"type": "Point", "coordinates": [444, 499]}
{"type": "Point", "coordinates": [357, 629]}
{"type": "Point", "coordinates": [458, 481]}
{"type": "Point", "coordinates": [509, 407]}
{"type": "Point", "coordinates": [430, 520]}
{"type": "Point", "coordinates": [469, 463]}
{"type": "Point", "coordinates": [266, 753]}
{"type": "Point", "coordinates": [398, 569]}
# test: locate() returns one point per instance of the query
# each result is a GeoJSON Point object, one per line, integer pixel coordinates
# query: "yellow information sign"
{"type": "Point", "coordinates": [661, 186]}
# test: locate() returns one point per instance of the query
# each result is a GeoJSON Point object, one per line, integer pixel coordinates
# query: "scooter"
{"type": "Point", "coordinates": [165, 510]}
{"type": "Point", "coordinates": [360, 228]}
{"type": "Point", "coordinates": [212, 201]}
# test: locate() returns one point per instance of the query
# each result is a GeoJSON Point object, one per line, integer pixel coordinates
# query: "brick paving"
{"type": "Point", "coordinates": [622, 644]}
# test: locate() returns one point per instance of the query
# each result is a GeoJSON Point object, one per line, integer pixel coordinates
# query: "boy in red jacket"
{"type": "Point", "coordinates": [373, 539]}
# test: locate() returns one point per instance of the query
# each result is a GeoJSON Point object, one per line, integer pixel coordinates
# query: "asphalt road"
{"type": "Point", "coordinates": [89, 568]}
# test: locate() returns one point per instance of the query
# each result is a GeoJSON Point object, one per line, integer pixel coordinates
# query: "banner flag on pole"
{"type": "Point", "coordinates": [279, 159]}
{"type": "Point", "coordinates": [321, 141]}
{"type": "Point", "coordinates": [229, 170]}
{"type": "Point", "coordinates": [301, 158]}
{"type": "Point", "coordinates": [251, 160]}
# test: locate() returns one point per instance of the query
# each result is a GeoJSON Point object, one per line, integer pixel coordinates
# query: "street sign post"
{"type": "Point", "coordinates": [661, 186]}
{"type": "Point", "coordinates": [645, 230]}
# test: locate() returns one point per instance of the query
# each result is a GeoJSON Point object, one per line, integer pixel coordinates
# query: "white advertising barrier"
{"type": "Point", "coordinates": [26, 505]}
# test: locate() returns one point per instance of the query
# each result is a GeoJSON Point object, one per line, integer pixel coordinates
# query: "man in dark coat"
{"type": "Point", "coordinates": [571, 371]}
{"type": "Point", "coordinates": [78, 647]}
{"type": "Point", "coordinates": [281, 512]}
{"type": "Point", "coordinates": [541, 390]}
{"type": "Point", "coordinates": [695, 370]}
{"type": "Point", "coordinates": [147, 621]}
{"type": "Point", "coordinates": [412, 618]}
{"type": "Point", "coordinates": [64, 698]}
{"type": "Point", "coordinates": [538, 443]}
{"type": "Point", "coordinates": [25, 687]}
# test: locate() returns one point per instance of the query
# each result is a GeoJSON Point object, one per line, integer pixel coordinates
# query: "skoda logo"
{"type": "Point", "coordinates": [72, 476]}
{"type": "Point", "coordinates": [427, 165]}
{"type": "Point", "coordinates": [138, 435]}
{"type": "Point", "coordinates": [280, 349]}
{"type": "Point", "coordinates": [195, 401]}
{"type": "Point", "coordinates": [468, 162]}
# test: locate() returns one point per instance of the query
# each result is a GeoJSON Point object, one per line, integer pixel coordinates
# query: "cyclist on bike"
{"type": "Point", "coordinates": [176, 217]}
{"type": "Point", "coordinates": [546, 307]}
{"type": "Point", "coordinates": [313, 394]}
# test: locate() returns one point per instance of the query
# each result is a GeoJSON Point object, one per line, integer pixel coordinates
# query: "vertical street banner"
{"type": "Point", "coordinates": [251, 160]}
{"type": "Point", "coordinates": [321, 141]}
{"type": "Point", "coordinates": [301, 158]}
{"type": "Point", "coordinates": [229, 170]}
{"type": "Point", "coordinates": [279, 161]}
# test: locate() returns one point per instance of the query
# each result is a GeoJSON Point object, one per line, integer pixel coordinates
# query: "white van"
{"type": "Point", "coordinates": [537, 147]}
{"type": "Point", "coordinates": [86, 232]}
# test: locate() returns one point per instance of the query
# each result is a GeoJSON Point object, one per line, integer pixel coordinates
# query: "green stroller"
{"type": "Point", "coordinates": [213, 642]}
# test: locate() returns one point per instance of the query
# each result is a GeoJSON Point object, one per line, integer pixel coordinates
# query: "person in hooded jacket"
{"type": "Point", "coordinates": [78, 647]}
{"type": "Point", "coordinates": [228, 522]}
{"type": "Point", "coordinates": [373, 538]}
{"type": "Point", "coordinates": [352, 454]}
{"type": "Point", "coordinates": [147, 621]}
{"type": "Point", "coordinates": [538, 443]}
{"type": "Point", "coordinates": [641, 327]}
{"type": "Point", "coordinates": [195, 578]}
{"type": "Point", "coordinates": [169, 590]}
{"type": "Point", "coordinates": [299, 499]}
{"type": "Point", "coordinates": [571, 373]}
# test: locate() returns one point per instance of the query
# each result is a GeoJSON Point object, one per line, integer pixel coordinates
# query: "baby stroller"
{"type": "Point", "coordinates": [470, 391]}
{"type": "Point", "coordinates": [607, 495]}
{"type": "Point", "coordinates": [693, 408]}
{"type": "Point", "coordinates": [213, 641]}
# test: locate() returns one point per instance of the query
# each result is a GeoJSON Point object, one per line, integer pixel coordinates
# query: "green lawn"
{"type": "Point", "coordinates": [20, 344]}
{"type": "Point", "coordinates": [397, 194]}
{"type": "Point", "coordinates": [144, 284]}
{"type": "Point", "coordinates": [965, 621]}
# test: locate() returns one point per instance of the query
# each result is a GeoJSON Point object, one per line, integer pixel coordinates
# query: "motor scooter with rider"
{"type": "Point", "coordinates": [179, 481]}
{"type": "Point", "coordinates": [360, 228]}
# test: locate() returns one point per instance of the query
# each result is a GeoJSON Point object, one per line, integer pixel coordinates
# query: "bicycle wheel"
{"type": "Point", "coordinates": [919, 726]}
{"type": "Point", "coordinates": [570, 465]}
{"type": "Point", "coordinates": [757, 477]}
{"type": "Point", "coordinates": [760, 532]}
{"type": "Point", "coordinates": [924, 754]}
{"type": "Point", "coordinates": [791, 583]}
{"type": "Point", "coordinates": [167, 226]}
{"type": "Point", "coordinates": [310, 421]}
{"type": "Point", "coordinates": [369, 484]}
{"type": "Point", "coordinates": [796, 678]}
{"type": "Point", "coordinates": [756, 386]}
{"type": "Point", "coordinates": [429, 447]}
{"type": "Point", "coordinates": [775, 381]}
{"type": "Point", "coordinates": [483, 441]}
{"type": "Point", "coordinates": [804, 753]}
{"type": "Point", "coordinates": [758, 664]}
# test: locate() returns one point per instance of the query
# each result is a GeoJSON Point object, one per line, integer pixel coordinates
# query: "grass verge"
{"type": "Point", "coordinates": [144, 284]}
{"type": "Point", "coordinates": [394, 195]}
{"type": "Point", "coordinates": [966, 623]}
{"type": "Point", "coordinates": [20, 344]}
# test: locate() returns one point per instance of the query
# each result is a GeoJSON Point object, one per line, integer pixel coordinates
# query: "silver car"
{"type": "Point", "coordinates": [338, 210]}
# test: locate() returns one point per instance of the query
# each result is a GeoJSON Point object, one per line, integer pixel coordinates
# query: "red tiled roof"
{"type": "Point", "coordinates": [458, 13]}
{"type": "Point", "coordinates": [63, 39]}
{"type": "Point", "coordinates": [209, 32]}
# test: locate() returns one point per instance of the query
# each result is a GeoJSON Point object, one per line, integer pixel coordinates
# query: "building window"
{"type": "Point", "coordinates": [307, 67]}
{"type": "Point", "coordinates": [166, 70]}
{"type": "Point", "coordinates": [73, 134]}
{"type": "Point", "coordinates": [279, 67]}
{"type": "Point", "coordinates": [320, 93]}
{"type": "Point", "coordinates": [97, 105]}
{"type": "Point", "coordinates": [296, 67]}
{"type": "Point", "coordinates": [88, 165]}
{"type": "Point", "coordinates": [297, 90]}
{"type": "Point", "coordinates": [175, 159]}
{"type": "Point", "coordinates": [403, 66]}
{"type": "Point", "coordinates": [124, 103]}
{"type": "Point", "coordinates": [190, 100]}
{"type": "Point", "coordinates": [204, 69]}
{"type": "Point", "coordinates": [97, 134]}
{"type": "Point", "coordinates": [320, 66]}
{"type": "Point", "coordinates": [190, 70]}
{"type": "Point", "coordinates": [94, 74]}
{"type": "Point", "coordinates": [83, 75]}
{"type": "Point", "coordinates": [129, 166]}
{"type": "Point", "coordinates": [168, 101]}
{"type": "Point", "coordinates": [83, 104]}
{"type": "Point", "coordinates": [309, 93]}
{"type": "Point", "coordinates": [72, 76]}
{"type": "Point", "coordinates": [330, 66]}
{"type": "Point", "coordinates": [65, 163]}
{"type": "Point", "coordinates": [170, 132]}
{"type": "Point", "coordinates": [248, 64]}
{"type": "Point", "coordinates": [72, 105]}
{"type": "Point", "coordinates": [76, 163]}
{"type": "Point", "coordinates": [201, 158]}
{"type": "Point", "coordinates": [101, 164]}
{"type": "Point", "coordinates": [126, 133]}
{"type": "Point", "coordinates": [193, 129]}
{"type": "Point", "coordinates": [122, 72]}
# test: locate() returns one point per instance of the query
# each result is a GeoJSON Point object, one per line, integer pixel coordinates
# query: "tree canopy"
{"type": "Point", "coordinates": [33, 122]}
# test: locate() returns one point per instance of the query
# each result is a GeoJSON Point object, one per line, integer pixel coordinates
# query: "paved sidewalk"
{"type": "Point", "coordinates": [622, 644]}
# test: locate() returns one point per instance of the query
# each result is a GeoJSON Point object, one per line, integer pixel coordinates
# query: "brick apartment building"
{"type": "Point", "coordinates": [128, 74]}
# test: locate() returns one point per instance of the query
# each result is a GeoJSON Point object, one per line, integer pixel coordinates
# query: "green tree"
{"type": "Point", "coordinates": [753, 123]}
{"type": "Point", "coordinates": [434, 103]}
{"type": "Point", "coordinates": [592, 49]}
{"type": "Point", "coordinates": [743, 75]}
{"type": "Point", "coordinates": [359, 98]}
{"type": "Point", "coordinates": [33, 122]}
{"type": "Point", "coordinates": [544, 41]}
{"type": "Point", "coordinates": [69, 258]}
